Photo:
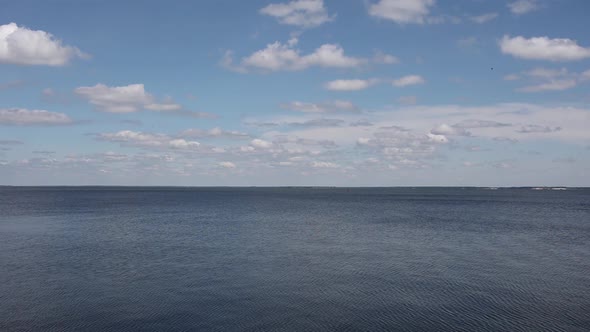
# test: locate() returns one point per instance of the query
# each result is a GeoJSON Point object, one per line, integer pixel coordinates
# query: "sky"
{"type": "Point", "coordinates": [302, 92]}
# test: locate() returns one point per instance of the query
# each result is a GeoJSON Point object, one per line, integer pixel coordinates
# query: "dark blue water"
{"type": "Point", "coordinates": [445, 259]}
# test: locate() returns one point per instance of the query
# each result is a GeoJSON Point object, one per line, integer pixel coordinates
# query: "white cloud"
{"type": "Point", "coordinates": [544, 48]}
{"type": "Point", "coordinates": [321, 122]}
{"type": "Point", "coordinates": [497, 122]}
{"type": "Point", "coordinates": [180, 143]}
{"type": "Point", "coordinates": [523, 6]}
{"type": "Point", "coordinates": [555, 85]}
{"type": "Point", "coordinates": [326, 107]}
{"type": "Point", "coordinates": [25, 117]}
{"type": "Point", "coordinates": [409, 80]}
{"type": "Point", "coordinates": [548, 79]}
{"type": "Point", "coordinates": [227, 164]}
{"type": "Point", "coordinates": [547, 73]}
{"type": "Point", "coordinates": [401, 138]}
{"type": "Point", "coordinates": [227, 62]}
{"type": "Point", "coordinates": [447, 130]}
{"type": "Point", "coordinates": [131, 98]}
{"type": "Point", "coordinates": [22, 46]}
{"type": "Point", "coordinates": [287, 57]}
{"type": "Point", "coordinates": [278, 56]}
{"type": "Point", "coordinates": [382, 58]}
{"type": "Point", "coordinates": [437, 138]}
{"type": "Point", "coordinates": [148, 140]}
{"type": "Point", "coordinates": [470, 164]}
{"type": "Point", "coordinates": [214, 133]}
{"type": "Point", "coordinates": [474, 123]}
{"type": "Point", "coordinates": [402, 11]}
{"type": "Point", "coordinates": [324, 164]}
{"type": "Point", "coordinates": [302, 13]}
{"type": "Point", "coordinates": [350, 85]}
{"type": "Point", "coordinates": [158, 107]}
{"type": "Point", "coordinates": [261, 144]}
{"type": "Point", "coordinates": [484, 18]}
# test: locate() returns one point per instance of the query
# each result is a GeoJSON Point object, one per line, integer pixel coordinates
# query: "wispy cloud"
{"type": "Point", "coordinates": [301, 13]}
{"type": "Point", "coordinates": [520, 7]}
{"type": "Point", "coordinates": [25, 117]}
{"type": "Point", "coordinates": [484, 18]}
{"type": "Point", "coordinates": [325, 107]}
{"type": "Point", "coordinates": [350, 84]}
{"type": "Point", "coordinates": [409, 80]}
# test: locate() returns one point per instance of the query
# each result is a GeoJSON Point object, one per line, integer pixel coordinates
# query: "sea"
{"type": "Point", "coordinates": [294, 259]}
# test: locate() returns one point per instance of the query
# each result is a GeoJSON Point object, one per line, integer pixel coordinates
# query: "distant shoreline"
{"type": "Point", "coordinates": [298, 187]}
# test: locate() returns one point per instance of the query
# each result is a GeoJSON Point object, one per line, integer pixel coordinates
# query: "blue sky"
{"type": "Point", "coordinates": [304, 92]}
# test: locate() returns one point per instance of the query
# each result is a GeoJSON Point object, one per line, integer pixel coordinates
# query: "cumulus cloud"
{"type": "Point", "coordinates": [301, 13]}
{"type": "Point", "coordinates": [408, 80]}
{"type": "Point", "coordinates": [402, 138]}
{"type": "Point", "coordinates": [437, 138]}
{"type": "Point", "coordinates": [402, 11]}
{"type": "Point", "coordinates": [25, 117]}
{"type": "Point", "coordinates": [543, 48]}
{"type": "Point", "coordinates": [324, 164]}
{"type": "Point", "coordinates": [148, 140]}
{"type": "Point", "coordinates": [285, 57]}
{"type": "Point", "coordinates": [22, 46]}
{"type": "Point", "coordinates": [214, 133]}
{"type": "Point", "coordinates": [122, 99]}
{"type": "Point", "coordinates": [402, 147]}
{"type": "Point", "coordinates": [447, 130]}
{"type": "Point", "coordinates": [326, 107]}
{"type": "Point", "coordinates": [227, 164]}
{"type": "Point", "coordinates": [261, 144]}
{"type": "Point", "coordinates": [523, 6]}
{"type": "Point", "coordinates": [350, 85]}
{"type": "Point", "coordinates": [484, 18]}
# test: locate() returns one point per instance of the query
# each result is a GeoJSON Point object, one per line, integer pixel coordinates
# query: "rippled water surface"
{"type": "Point", "coordinates": [445, 259]}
